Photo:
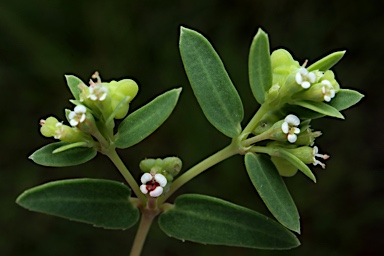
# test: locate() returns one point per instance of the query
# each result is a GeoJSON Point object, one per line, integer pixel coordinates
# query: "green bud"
{"type": "Point", "coordinates": [285, 168]}
{"type": "Point", "coordinates": [147, 164]}
{"type": "Point", "coordinates": [51, 127]}
{"type": "Point", "coordinates": [172, 165]}
{"type": "Point", "coordinates": [123, 89]}
{"type": "Point", "coordinates": [307, 137]}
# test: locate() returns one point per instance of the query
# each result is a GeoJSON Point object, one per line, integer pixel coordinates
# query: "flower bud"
{"type": "Point", "coordinates": [172, 165]}
{"type": "Point", "coordinates": [125, 88]}
{"type": "Point", "coordinates": [284, 167]}
{"type": "Point", "coordinates": [51, 127]}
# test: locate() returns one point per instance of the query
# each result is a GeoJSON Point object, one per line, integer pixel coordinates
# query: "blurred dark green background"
{"type": "Point", "coordinates": [43, 40]}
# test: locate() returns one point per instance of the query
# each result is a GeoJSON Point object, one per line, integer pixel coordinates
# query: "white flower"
{"type": "Point", "coordinates": [328, 90]}
{"type": "Point", "coordinates": [289, 127]}
{"type": "Point", "coordinates": [305, 78]}
{"type": "Point", "coordinates": [315, 154]}
{"type": "Point", "coordinates": [154, 184]}
{"type": "Point", "coordinates": [77, 115]}
{"type": "Point", "coordinates": [97, 92]}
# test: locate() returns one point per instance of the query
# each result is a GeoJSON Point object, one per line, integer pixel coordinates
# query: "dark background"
{"type": "Point", "coordinates": [43, 40]}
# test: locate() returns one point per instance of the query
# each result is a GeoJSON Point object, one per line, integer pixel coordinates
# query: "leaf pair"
{"type": "Point", "coordinates": [195, 218]}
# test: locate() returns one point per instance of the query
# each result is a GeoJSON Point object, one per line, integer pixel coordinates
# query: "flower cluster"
{"type": "Point", "coordinates": [158, 174]}
{"type": "Point", "coordinates": [96, 107]}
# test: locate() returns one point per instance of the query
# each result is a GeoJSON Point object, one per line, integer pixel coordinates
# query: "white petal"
{"type": "Point", "coordinates": [303, 71]}
{"type": "Point", "coordinates": [305, 84]}
{"type": "Point", "coordinates": [296, 130]}
{"type": "Point", "coordinates": [327, 98]}
{"type": "Point", "coordinates": [93, 97]}
{"type": "Point", "coordinates": [161, 179]}
{"type": "Point", "coordinates": [157, 192]}
{"type": "Point", "coordinates": [145, 178]}
{"type": "Point", "coordinates": [312, 77]}
{"type": "Point", "coordinates": [285, 127]}
{"type": "Point", "coordinates": [82, 118]}
{"type": "Point", "coordinates": [292, 119]}
{"type": "Point", "coordinates": [73, 122]}
{"type": "Point", "coordinates": [71, 114]}
{"type": "Point", "coordinates": [327, 83]}
{"type": "Point", "coordinates": [292, 138]}
{"type": "Point", "coordinates": [102, 97]}
{"type": "Point", "coordinates": [143, 189]}
{"type": "Point", "coordinates": [315, 150]}
{"type": "Point", "coordinates": [332, 93]}
{"type": "Point", "coordinates": [80, 109]}
{"type": "Point", "coordinates": [323, 89]}
{"type": "Point", "coordinates": [299, 78]}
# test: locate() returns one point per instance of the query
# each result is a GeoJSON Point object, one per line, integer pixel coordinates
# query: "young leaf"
{"type": "Point", "coordinates": [73, 156]}
{"type": "Point", "coordinates": [297, 162]}
{"type": "Point", "coordinates": [211, 84]}
{"type": "Point", "coordinates": [73, 84]}
{"type": "Point", "coordinates": [271, 188]}
{"type": "Point", "coordinates": [344, 99]}
{"type": "Point", "coordinates": [144, 121]}
{"type": "Point", "coordinates": [102, 203]}
{"type": "Point", "coordinates": [260, 70]}
{"type": "Point", "coordinates": [210, 220]}
{"type": "Point", "coordinates": [327, 62]}
{"type": "Point", "coordinates": [320, 107]}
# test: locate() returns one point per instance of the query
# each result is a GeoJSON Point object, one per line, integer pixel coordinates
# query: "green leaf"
{"type": "Point", "coordinates": [73, 84]}
{"type": "Point", "coordinates": [327, 62]}
{"type": "Point", "coordinates": [296, 162]}
{"type": "Point", "coordinates": [320, 107]}
{"type": "Point", "coordinates": [260, 70]}
{"type": "Point", "coordinates": [271, 188]}
{"type": "Point", "coordinates": [144, 121]}
{"type": "Point", "coordinates": [69, 157]}
{"type": "Point", "coordinates": [210, 220]}
{"type": "Point", "coordinates": [211, 84]}
{"type": "Point", "coordinates": [345, 99]}
{"type": "Point", "coordinates": [102, 203]}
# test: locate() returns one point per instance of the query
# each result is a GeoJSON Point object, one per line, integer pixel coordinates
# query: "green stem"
{"type": "Point", "coordinates": [255, 139]}
{"type": "Point", "coordinates": [127, 175]}
{"type": "Point", "coordinates": [142, 232]}
{"type": "Point", "coordinates": [256, 119]}
{"type": "Point", "coordinates": [219, 156]}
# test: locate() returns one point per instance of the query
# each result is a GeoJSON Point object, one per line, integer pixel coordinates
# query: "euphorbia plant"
{"type": "Point", "coordinates": [278, 141]}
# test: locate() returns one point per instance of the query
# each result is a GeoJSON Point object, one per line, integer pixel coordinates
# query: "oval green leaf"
{"type": "Point", "coordinates": [102, 203]}
{"type": "Point", "coordinates": [259, 64]}
{"type": "Point", "coordinates": [211, 84]}
{"type": "Point", "coordinates": [296, 162]}
{"type": "Point", "coordinates": [327, 62]}
{"type": "Point", "coordinates": [344, 99]}
{"type": "Point", "coordinates": [73, 156]}
{"type": "Point", "coordinates": [73, 83]}
{"type": "Point", "coordinates": [320, 107]}
{"type": "Point", "coordinates": [272, 190]}
{"type": "Point", "coordinates": [144, 121]}
{"type": "Point", "coordinates": [210, 220]}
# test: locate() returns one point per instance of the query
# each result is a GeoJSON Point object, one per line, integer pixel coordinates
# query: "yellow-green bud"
{"type": "Point", "coordinates": [118, 91]}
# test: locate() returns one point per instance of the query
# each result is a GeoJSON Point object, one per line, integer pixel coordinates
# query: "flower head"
{"type": "Point", "coordinates": [315, 153]}
{"type": "Point", "coordinates": [289, 127]}
{"type": "Point", "coordinates": [153, 184]}
{"type": "Point", "coordinates": [305, 78]}
{"type": "Point", "coordinates": [77, 115]}
{"type": "Point", "coordinates": [327, 90]}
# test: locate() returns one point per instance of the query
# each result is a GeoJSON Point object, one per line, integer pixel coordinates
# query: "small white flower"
{"type": "Point", "coordinates": [289, 127]}
{"type": "Point", "coordinates": [315, 154]}
{"type": "Point", "coordinates": [154, 184]}
{"type": "Point", "coordinates": [305, 78]}
{"type": "Point", "coordinates": [77, 115]}
{"type": "Point", "coordinates": [59, 130]}
{"type": "Point", "coordinates": [97, 91]}
{"type": "Point", "coordinates": [328, 90]}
